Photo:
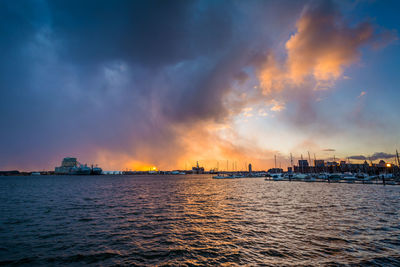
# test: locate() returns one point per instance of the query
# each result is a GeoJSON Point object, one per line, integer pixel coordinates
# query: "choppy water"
{"type": "Point", "coordinates": [195, 220]}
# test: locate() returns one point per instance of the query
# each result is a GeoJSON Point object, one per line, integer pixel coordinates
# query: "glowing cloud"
{"type": "Point", "coordinates": [276, 106]}
{"type": "Point", "coordinates": [317, 53]}
{"type": "Point", "coordinates": [323, 44]}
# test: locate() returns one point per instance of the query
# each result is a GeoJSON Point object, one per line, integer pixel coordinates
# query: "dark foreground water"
{"type": "Point", "coordinates": [195, 220]}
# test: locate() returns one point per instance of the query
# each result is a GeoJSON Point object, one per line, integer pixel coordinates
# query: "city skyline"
{"type": "Point", "coordinates": [132, 85]}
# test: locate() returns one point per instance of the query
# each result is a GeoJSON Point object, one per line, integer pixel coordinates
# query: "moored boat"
{"type": "Point", "coordinates": [224, 176]}
{"type": "Point", "coordinates": [96, 171]}
{"type": "Point", "coordinates": [277, 177]}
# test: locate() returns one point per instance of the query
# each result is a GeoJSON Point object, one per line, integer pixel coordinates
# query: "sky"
{"type": "Point", "coordinates": [142, 84]}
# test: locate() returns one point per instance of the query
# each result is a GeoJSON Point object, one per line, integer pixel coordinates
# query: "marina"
{"type": "Point", "coordinates": [381, 173]}
{"type": "Point", "coordinates": [318, 178]}
{"type": "Point", "coordinates": [337, 178]}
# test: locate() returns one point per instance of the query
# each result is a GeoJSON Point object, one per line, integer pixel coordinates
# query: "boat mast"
{"type": "Point", "coordinates": [302, 164]}
{"type": "Point", "coordinates": [315, 166]}
{"type": "Point", "coordinates": [398, 160]}
{"type": "Point", "coordinates": [291, 162]}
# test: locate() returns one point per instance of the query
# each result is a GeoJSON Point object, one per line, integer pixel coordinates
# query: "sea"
{"type": "Point", "coordinates": [194, 220]}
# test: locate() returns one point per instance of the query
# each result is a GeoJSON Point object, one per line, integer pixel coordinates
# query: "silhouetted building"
{"type": "Point", "coordinates": [197, 169]}
{"type": "Point", "coordinates": [332, 164]}
{"type": "Point", "coordinates": [303, 166]}
{"type": "Point", "coordinates": [319, 163]}
{"type": "Point", "coordinates": [303, 163]}
{"type": "Point", "coordinates": [66, 165]}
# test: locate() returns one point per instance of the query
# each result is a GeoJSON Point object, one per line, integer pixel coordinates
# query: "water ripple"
{"type": "Point", "coordinates": [195, 221]}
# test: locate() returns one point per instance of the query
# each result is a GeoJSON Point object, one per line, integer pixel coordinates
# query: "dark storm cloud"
{"type": "Point", "coordinates": [150, 33]}
{"type": "Point", "coordinates": [78, 77]}
{"type": "Point", "coordinates": [375, 156]}
{"type": "Point", "coordinates": [381, 155]}
{"type": "Point", "coordinates": [358, 157]}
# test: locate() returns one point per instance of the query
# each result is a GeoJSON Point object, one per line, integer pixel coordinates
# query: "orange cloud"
{"type": "Point", "coordinates": [272, 76]}
{"type": "Point", "coordinates": [317, 53]}
{"type": "Point", "coordinates": [277, 106]}
{"type": "Point", "coordinates": [323, 45]}
{"type": "Point", "coordinates": [314, 58]}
